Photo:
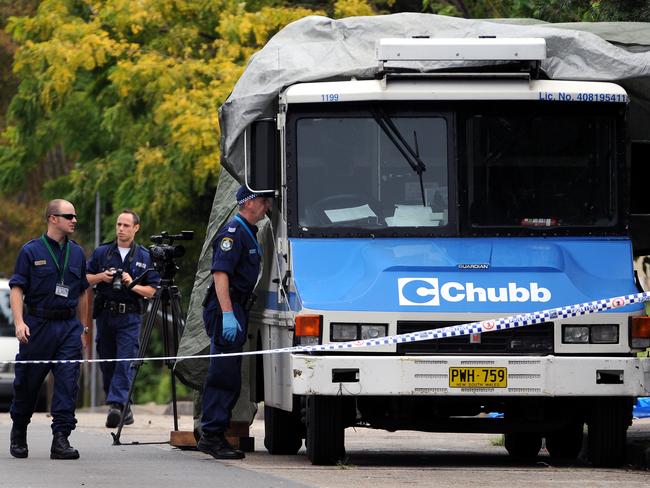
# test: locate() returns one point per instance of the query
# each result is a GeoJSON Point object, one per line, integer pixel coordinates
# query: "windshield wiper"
{"type": "Point", "coordinates": [410, 155]}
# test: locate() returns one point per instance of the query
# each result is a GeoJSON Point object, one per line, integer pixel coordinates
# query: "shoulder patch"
{"type": "Point", "coordinates": [226, 244]}
{"type": "Point", "coordinates": [232, 229]}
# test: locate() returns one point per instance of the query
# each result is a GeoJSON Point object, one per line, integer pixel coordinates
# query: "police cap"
{"type": "Point", "coordinates": [244, 194]}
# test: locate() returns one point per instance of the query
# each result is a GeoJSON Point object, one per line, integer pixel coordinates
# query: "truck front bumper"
{"type": "Point", "coordinates": [430, 375]}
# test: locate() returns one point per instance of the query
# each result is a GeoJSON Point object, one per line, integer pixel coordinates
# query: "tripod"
{"type": "Point", "coordinates": [168, 300]}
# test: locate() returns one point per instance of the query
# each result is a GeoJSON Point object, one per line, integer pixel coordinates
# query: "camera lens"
{"type": "Point", "coordinates": [117, 280]}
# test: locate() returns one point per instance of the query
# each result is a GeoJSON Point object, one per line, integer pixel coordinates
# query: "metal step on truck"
{"type": "Point", "coordinates": [419, 200]}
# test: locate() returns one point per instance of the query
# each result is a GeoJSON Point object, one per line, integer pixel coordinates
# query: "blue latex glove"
{"type": "Point", "coordinates": [230, 326]}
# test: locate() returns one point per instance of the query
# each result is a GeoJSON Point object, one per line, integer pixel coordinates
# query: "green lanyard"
{"type": "Point", "coordinates": [56, 261]}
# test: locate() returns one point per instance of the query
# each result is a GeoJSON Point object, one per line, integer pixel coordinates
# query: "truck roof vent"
{"type": "Point", "coordinates": [402, 51]}
{"type": "Point", "coordinates": [462, 49]}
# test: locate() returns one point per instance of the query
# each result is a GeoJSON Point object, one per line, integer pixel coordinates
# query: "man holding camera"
{"type": "Point", "coordinates": [118, 307]}
{"type": "Point", "coordinates": [236, 261]}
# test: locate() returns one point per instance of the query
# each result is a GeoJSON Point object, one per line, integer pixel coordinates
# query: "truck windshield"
{"type": "Point", "coordinates": [352, 174]}
{"type": "Point", "coordinates": [542, 169]}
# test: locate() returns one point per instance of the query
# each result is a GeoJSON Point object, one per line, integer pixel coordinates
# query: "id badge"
{"type": "Point", "coordinates": [62, 290]}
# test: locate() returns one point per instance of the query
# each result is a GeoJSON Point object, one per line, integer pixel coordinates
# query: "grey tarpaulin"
{"type": "Point", "coordinates": [319, 48]}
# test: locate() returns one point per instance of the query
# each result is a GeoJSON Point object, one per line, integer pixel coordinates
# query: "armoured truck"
{"type": "Point", "coordinates": [415, 200]}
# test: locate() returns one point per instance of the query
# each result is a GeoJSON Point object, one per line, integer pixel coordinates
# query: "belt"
{"type": "Point", "coordinates": [44, 313]}
{"type": "Point", "coordinates": [247, 300]}
{"type": "Point", "coordinates": [238, 297]}
{"type": "Point", "coordinates": [119, 307]}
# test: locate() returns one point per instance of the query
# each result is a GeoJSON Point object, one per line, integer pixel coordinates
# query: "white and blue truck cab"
{"type": "Point", "coordinates": [417, 201]}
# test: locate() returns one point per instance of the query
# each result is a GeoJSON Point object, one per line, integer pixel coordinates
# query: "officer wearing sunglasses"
{"type": "Point", "coordinates": [47, 290]}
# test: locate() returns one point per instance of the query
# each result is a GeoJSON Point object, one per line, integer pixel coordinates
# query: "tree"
{"type": "Point", "coordinates": [121, 98]}
{"type": "Point", "coordinates": [547, 10]}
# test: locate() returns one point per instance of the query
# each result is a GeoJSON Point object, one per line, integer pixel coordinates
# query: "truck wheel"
{"type": "Point", "coordinates": [608, 423]}
{"type": "Point", "coordinates": [282, 433]}
{"type": "Point", "coordinates": [325, 431]}
{"type": "Point", "coordinates": [565, 444]}
{"type": "Point", "coordinates": [523, 446]}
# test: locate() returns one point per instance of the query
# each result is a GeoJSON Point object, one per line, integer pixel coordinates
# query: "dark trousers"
{"type": "Point", "coordinates": [49, 339]}
{"type": "Point", "coordinates": [117, 338]}
{"type": "Point", "coordinates": [223, 382]}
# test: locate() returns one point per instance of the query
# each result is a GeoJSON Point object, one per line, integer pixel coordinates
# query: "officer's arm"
{"type": "Point", "coordinates": [16, 301]}
{"type": "Point", "coordinates": [105, 276]}
{"type": "Point", "coordinates": [222, 285]}
{"type": "Point", "coordinates": [82, 307]}
{"type": "Point", "coordinates": [146, 291]}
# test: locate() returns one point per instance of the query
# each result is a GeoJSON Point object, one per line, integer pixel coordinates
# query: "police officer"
{"type": "Point", "coordinates": [236, 264]}
{"type": "Point", "coordinates": [112, 267]}
{"type": "Point", "coordinates": [49, 281]}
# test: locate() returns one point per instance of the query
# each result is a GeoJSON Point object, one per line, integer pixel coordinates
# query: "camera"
{"type": "Point", "coordinates": [117, 280]}
{"type": "Point", "coordinates": [163, 251]}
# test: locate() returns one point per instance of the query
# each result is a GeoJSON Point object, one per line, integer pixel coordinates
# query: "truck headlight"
{"type": "Point", "coordinates": [343, 332]}
{"type": "Point", "coordinates": [373, 331]}
{"type": "Point", "coordinates": [575, 334]}
{"type": "Point", "coordinates": [604, 334]}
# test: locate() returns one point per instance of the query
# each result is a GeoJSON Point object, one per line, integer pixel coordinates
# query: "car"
{"type": "Point", "coordinates": [8, 347]}
{"type": "Point", "coordinates": [8, 351]}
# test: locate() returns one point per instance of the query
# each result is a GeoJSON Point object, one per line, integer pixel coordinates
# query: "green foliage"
{"type": "Point", "coordinates": [128, 92]}
{"type": "Point", "coordinates": [547, 10]}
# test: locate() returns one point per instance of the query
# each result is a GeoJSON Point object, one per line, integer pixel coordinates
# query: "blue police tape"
{"type": "Point", "coordinates": [484, 326]}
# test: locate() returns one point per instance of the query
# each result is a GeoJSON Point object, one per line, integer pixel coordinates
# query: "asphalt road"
{"type": "Point", "coordinates": [375, 459]}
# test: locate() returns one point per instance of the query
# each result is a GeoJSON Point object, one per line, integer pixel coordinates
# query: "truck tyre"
{"type": "Point", "coordinates": [325, 431]}
{"type": "Point", "coordinates": [282, 432]}
{"type": "Point", "coordinates": [607, 424]}
{"type": "Point", "coordinates": [523, 446]}
{"type": "Point", "coordinates": [565, 444]}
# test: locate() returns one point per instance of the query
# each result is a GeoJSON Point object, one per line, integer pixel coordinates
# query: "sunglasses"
{"type": "Point", "coordinates": [65, 216]}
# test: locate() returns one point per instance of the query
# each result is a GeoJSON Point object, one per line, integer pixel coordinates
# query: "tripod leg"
{"type": "Point", "coordinates": [176, 313]}
{"type": "Point", "coordinates": [146, 335]}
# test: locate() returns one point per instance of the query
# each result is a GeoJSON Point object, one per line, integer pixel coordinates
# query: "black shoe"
{"type": "Point", "coordinates": [218, 447]}
{"type": "Point", "coordinates": [18, 445]}
{"type": "Point", "coordinates": [61, 448]}
{"type": "Point", "coordinates": [128, 417]}
{"type": "Point", "coordinates": [114, 415]}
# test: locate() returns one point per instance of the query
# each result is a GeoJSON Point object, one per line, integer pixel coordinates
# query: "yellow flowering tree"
{"type": "Point", "coordinates": [126, 93]}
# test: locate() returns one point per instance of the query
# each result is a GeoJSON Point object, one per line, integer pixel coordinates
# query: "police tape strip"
{"type": "Point", "coordinates": [490, 325]}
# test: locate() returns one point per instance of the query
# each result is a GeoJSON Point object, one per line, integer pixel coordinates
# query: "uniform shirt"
{"type": "Point", "coordinates": [135, 263]}
{"type": "Point", "coordinates": [237, 253]}
{"type": "Point", "coordinates": [37, 274]}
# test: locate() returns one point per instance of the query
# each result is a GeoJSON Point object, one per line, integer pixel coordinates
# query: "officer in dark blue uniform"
{"type": "Point", "coordinates": [112, 267]}
{"type": "Point", "coordinates": [49, 281]}
{"type": "Point", "coordinates": [236, 262]}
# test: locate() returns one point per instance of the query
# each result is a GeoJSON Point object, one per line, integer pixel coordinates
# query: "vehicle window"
{"type": "Point", "coordinates": [351, 174]}
{"type": "Point", "coordinates": [6, 322]}
{"type": "Point", "coordinates": [541, 170]}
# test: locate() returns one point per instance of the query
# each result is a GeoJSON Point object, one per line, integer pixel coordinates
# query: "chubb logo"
{"type": "Point", "coordinates": [427, 292]}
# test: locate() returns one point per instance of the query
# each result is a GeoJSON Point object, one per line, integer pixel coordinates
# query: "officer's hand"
{"type": "Point", "coordinates": [85, 341]}
{"type": "Point", "coordinates": [230, 326]}
{"type": "Point", "coordinates": [107, 276]}
{"type": "Point", "coordinates": [22, 332]}
{"type": "Point", "coordinates": [126, 278]}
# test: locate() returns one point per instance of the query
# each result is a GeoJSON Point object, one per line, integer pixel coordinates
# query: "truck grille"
{"type": "Point", "coordinates": [534, 339]}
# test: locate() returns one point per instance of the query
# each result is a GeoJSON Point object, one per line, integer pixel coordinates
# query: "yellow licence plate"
{"type": "Point", "coordinates": [478, 377]}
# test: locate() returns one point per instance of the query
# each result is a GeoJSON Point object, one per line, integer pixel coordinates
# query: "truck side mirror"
{"type": "Point", "coordinates": [640, 234]}
{"type": "Point", "coordinates": [261, 167]}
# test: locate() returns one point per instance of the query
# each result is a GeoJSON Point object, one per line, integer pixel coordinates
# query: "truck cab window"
{"type": "Point", "coordinates": [351, 174]}
{"type": "Point", "coordinates": [541, 170]}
